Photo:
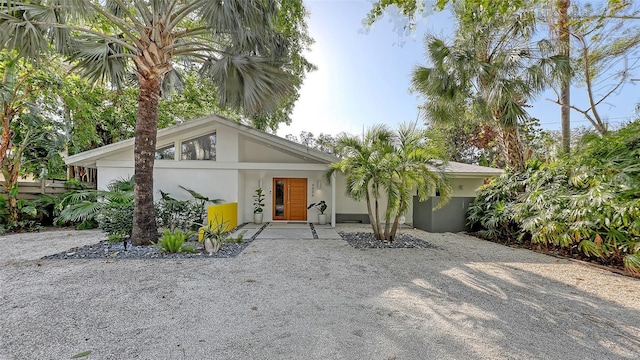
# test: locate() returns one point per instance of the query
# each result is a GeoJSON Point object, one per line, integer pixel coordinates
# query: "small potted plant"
{"type": "Point", "coordinates": [213, 235]}
{"type": "Point", "coordinates": [258, 206]}
{"type": "Point", "coordinates": [321, 206]}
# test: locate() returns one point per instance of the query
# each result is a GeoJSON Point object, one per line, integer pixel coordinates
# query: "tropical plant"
{"type": "Point", "coordinates": [362, 167]}
{"type": "Point", "coordinates": [393, 165]}
{"type": "Point", "coordinates": [588, 202]}
{"type": "Point", "coordinates": [258, 201]}
{"type": "Point", "coordinates": [416, 164]}
{"type": "Point", "coordinates": [488, 75]}
{"type": "Point", "coordinates": [240, 45]}
{"type": "Point", "coordinates": [85, 205]}
{"type": "Point", "coordinates": [29, 142]}
{"type": "Point", "coordinates": [173, 241]}
{"type": "Point", "coordinates": [182, 214]}
{"type": "Point", "coordinates": [115, 219]}
{"type": "Point", "coordinates": [26, 220]}
{"type": "Point", "coordinates": [213, 235]}
{"type": "Point", "coordinates": [600, 37]}
{"type": "Point", "coordinates": [320, 206]}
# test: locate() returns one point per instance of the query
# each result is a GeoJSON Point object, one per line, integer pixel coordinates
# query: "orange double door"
{"type": "Point", "coordinates": [290, 199]}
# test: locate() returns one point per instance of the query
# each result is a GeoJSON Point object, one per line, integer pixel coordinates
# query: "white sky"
{"type": "Point", "coordinates": [363, 76]}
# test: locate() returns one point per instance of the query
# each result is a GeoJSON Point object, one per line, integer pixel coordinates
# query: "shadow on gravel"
{"type": "Point", "coordinates": [508, 310]}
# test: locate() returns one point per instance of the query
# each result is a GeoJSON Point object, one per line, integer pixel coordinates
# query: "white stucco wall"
{"type": "Point", "coordinates": [216, 184]}
{"type": "Point", "coordinates": [226, 143]}
{"type": "Point", "coordinates": [252, 182]}
{"type": "Point", "coordinates": [257, 152]}
{"type": "Point", "coordinates": [212, 183]}
{"type": "Point", "coordinates": [465, 187]}
{"type": "Point", "coordinates": [107, 175]}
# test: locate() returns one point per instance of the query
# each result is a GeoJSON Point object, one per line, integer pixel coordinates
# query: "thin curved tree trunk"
{"type": "Point", "coordinates": [396, 222]}
{"type": "Point", "coordinates": [144, 222]}
{"type": "Point", "coordinates": [377, 231]}
{"type": "Point", "coordinates": [387, 222]}
{"type": "Point", "coordinates": [371, 218]}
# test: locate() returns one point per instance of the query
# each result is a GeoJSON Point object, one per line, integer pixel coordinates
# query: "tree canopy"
{"type": "Point", "coordinates": [245, 47]}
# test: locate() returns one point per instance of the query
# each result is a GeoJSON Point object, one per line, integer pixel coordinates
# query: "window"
{"type": "Point", "coordinates": [166, 153]}
{"type": "Point", "coordinates": [200, 148]}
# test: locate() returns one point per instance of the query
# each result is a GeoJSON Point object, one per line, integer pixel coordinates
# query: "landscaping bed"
{"type": "Point", "coordinates": [365, 240]}
{"type": "Point", "coordinates": [125, 250]}
{"type": "Point", "coordinates": [111, 250]}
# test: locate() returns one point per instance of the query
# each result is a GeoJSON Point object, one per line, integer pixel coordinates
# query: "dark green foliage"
{"type": "Point", "coordinates": [320, 206]}
{"type": "Point", "coordinates": [258, 201]}
{"type": "Point", "coordinates": [84, 206]}
{"type": "Point", "coordinates": [116, 219]}
{"type": "Point", "coordinates": [590, 201]}
{"type": "Point", "coordinates": [182, 214]}
{"type": "Point", "coordinates": [29, 215]}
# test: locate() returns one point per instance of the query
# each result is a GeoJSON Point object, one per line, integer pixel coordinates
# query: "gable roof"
{"type": "Point", "coordinates": [89, 158]}
{"type": "Point", "coordinates": [468, 170]}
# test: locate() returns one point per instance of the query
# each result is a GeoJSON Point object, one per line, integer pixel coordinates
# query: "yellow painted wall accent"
{"type": "Point", "coordinates": [216, 214]}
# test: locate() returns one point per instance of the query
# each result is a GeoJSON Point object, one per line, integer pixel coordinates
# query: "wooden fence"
{"type": "Point", "coordinates": [29, 190]}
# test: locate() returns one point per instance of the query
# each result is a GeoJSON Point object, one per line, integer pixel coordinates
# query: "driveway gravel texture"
{"type": "Point", "coordinates": [464, 298]}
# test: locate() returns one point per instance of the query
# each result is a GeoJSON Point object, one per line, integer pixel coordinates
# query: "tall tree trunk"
{"type": "Point", "coordinates": [562, 8]}
{"type": "Point", "coordinates": [512, 148]}
{"type": "Point", "coordinates": [144, 221]}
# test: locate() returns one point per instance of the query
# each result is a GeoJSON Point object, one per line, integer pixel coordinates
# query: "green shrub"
{"type": "Point", "coordinates": [84, 206]}
{"type": "Point", "coordinates": [115, 238]}
{"type": "Point", "coordinates": [238, 239]}
{"type": "Point", "coordinates": [178, 214]}
{"type": "Point", "coordinates": [173, 241]}
{"type": "Point", "coordinates": [589, 201]}
{"type": "Point", "coordinates": [182, 214]}
{"type": "Point", "coordinates": [30, 214]}
{"type": "Point", "coordinates": [116, 219]}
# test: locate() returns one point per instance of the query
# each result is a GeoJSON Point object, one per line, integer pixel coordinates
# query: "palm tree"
{"type": "Point", "coordinates": [363, 166]}
{"type": "Point", "coordinates": [416, 165]}
{"type": "Point", "coordinates": [393, 164]}
{"type": "Point", "coordinates": [488, 74]}
{"type": "Point", "coordinates": [563, 31]}
{"type": "Point", "coordinates": [233, 42]}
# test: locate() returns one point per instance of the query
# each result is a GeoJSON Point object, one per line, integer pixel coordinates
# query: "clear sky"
{"type": "Point", "coordinates": [363, 75]}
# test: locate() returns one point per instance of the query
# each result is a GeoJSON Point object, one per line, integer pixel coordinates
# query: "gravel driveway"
{"type": "Point", "coordinates": [313, 299]}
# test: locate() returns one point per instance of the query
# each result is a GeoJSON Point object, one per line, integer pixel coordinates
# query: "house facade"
{"type": "Point", "coordinates": [223, 159]}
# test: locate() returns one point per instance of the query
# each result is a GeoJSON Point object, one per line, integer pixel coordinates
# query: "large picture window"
{"type": "Point", "coordinates": [166, 153]}
{"type": "Point", "coordinates": [200, 148]}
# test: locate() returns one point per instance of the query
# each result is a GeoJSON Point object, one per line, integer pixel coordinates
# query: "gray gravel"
{"type": "Point", "coordinates": [366, 240]}
{"type": "Point", "coordinates": [291, 299]}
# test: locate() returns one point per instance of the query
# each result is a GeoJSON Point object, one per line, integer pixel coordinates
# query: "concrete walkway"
{"type": "Point", "coordinates": [288, 230]}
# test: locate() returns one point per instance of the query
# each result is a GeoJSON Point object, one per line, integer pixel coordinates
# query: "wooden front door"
{"type": "Point", "coordinates": [290, 199]}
